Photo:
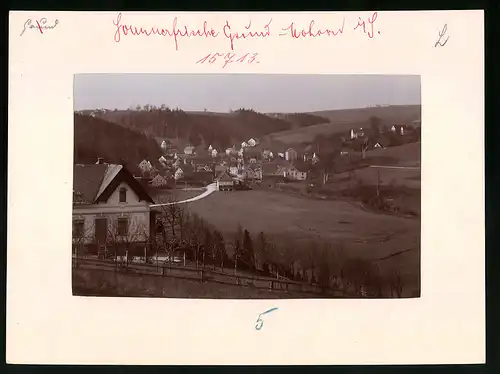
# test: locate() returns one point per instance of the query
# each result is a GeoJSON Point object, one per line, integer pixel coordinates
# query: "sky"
{"type": "Point", "coordinates": [261, 92]}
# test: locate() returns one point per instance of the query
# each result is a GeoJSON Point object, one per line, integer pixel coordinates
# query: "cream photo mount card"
{"type": "Point", "coordinates": [258, 188]}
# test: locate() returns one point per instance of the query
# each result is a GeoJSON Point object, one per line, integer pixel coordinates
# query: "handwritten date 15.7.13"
{"type": "Point", "coordinates": [229, 58]}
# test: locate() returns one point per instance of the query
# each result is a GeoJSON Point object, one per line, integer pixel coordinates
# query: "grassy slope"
{"type": "Point", "coordinates": [297, 218]}
{"type": "Point", "coordinates": [344, 120]}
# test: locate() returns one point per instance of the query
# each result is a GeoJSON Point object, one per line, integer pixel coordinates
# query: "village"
{"type": "Point", "coordinates": [134, 215]}
{"type": "Point", "coordinates": [251, 162]}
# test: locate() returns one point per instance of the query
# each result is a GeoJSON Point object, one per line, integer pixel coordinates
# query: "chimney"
{"type": "Point", "coordinates": [100, 160]}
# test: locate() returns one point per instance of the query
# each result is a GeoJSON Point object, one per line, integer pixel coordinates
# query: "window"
{"type": "Point", "coordinates": [78, 228]}
{"type": "Point", "coordinates": [123, 195]}
{"type": "Point", "coordinates": [122, 226]}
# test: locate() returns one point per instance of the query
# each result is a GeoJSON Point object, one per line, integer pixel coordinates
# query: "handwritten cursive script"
{"type": "Point", "coordinates": [368, 29]}
{"type": "Point", "coordinates": [236, 33]}
{"type": "Point", "coordinates": [260, 322]}
{"type": "Point", "coordinates": [40, 25]}
{"type": "Point", "coordinates": [442, 33]}
{"type": "Point", "coordinates": [229, 58]}
{"type": "Point", "coordinates": [175, 31]}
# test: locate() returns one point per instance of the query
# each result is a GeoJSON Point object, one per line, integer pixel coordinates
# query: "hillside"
{"type": "Point", "coordinates": [94, 137]}
{"type": "Point", "coordinates": [390, 114]}
{"type": "Point", "coordinates": [218, 129]}
{"type": "Point", "coordinates": [344, 120]}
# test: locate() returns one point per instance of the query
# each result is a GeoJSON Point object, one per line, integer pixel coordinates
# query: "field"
{"type": "Point", "coordinates": [344, 120]}
{"type": "Point", "coordinates": [403, 155]}
{"type": "Point", "coordinates": [178, 194]}
{"type": "Point", "coordinates": [394, 113]}
{"type": "Point", "coordinates": [293, 219]}
{"type": "Point", "coordinates": [283, 215]}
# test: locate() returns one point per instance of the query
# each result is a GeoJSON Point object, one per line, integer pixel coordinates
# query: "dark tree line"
{"type": "Point", "coordinates": [94, 137]}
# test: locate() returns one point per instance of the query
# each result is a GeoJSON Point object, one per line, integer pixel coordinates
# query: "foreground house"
{"type": "Point", "coordinates": [110, 208]}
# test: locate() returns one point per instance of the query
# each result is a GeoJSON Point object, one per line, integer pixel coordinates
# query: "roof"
{"type": "Point", "coordinates": [254, 167]}
{"type": "Point", "coordinates": [308, 148]}
{"type": "Point", "coordinates": [198, 176]}
{"type": "Point", "coordinates": [301, 166]}
{"type": "Point", "coordinates": [224, 176]}
{"type": "Point", "coordinates": [96, 182]}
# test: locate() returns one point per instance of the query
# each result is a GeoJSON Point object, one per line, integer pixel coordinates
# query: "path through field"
{"type": "Point", "coordinates": [210, 188]}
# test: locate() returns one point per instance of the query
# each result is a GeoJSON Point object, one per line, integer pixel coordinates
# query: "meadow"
{"type": "Point", "coordinates": [296, 220]}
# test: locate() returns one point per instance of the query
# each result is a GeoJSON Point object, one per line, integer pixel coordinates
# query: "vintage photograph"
{"type": "Point", "coordinates": [246, 186]}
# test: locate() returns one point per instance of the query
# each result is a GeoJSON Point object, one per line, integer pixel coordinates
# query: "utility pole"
{"type": "Point", "coordinates": [378, 183]}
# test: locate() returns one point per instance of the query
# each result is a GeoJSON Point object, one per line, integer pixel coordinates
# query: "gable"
{"type": "Point", "coordinates": [123, 177]}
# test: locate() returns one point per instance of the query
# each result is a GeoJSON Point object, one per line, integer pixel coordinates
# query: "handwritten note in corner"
{"type": "Point", "coordinates": [260, 322]}
{"type": "Point", "coordinates": [228, 31]}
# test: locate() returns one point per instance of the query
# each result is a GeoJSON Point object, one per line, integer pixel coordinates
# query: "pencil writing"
{"type": "Point", "coordinates": [442, 33]}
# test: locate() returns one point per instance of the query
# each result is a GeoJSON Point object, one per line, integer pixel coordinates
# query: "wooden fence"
{"type": "Point", "coordinates": [213, 276]}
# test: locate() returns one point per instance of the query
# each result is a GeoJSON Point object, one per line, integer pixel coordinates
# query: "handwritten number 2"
{"type": "Point", "coordinates": [442, 33]}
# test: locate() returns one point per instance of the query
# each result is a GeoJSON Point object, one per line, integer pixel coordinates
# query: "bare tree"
{"type": "Point", "coordinates": [364, 147]}
{"type": "Point", "coordinates": [127, 236]}
{"type": "Point", "coordinates": [82, 235]}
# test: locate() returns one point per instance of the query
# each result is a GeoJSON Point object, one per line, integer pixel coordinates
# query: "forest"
{"type": "Point", "coordinates": [221, 130]}
{"type": "Point", "coordinates": [94, 137]}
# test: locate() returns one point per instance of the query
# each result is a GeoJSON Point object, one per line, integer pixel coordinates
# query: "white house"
{"type": "Point", "coordinates": [252, 142]}
{"type": "Point", "coordinates": [158, 181]}
{"type": "Point", "coordinates": [179, 173]}
{"type": "Point", "coordinates": [163, 145]}
{"type": "Point", "coordinates": [214, 153]}
{"type": "Point", "coordinates": [297, 171]}
{"type": "Point", "coordinates": [244, 145]}
{"type": "Point", "coordinates": [189, 150]}
{"type": "Point", "coordinates": [109, 207]}
{"type": "Point", "coordinates": [234, 169]}
{"type": "Point", "coordinates": [315, 158]}
{"type": "Point", "coordinates": [210, 148]}
{"type": "Point", "coordinates": [224, 182]}
{"type": "Point", "coordinates": [355, 134]}
{"type": "Point", "coordinates": [291, 154]}
{"type": "Point", "coordinates": [145, 166]}
{"type": "Point", "coordinates": [398, 129]}
{"type": "Point", "coordinates": [162, 160]}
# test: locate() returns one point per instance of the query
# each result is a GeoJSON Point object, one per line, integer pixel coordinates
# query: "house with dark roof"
{"type": "Point", "coordinates": [198, 178]}
{"type": "Point", "coordinates": [110, 208]}
{"type": "Point", "coordinates": [298, 170]}
{"type": "Point", "coordinates": [224, 182]}
{"type": "Point", "coordinates": [253, 171]}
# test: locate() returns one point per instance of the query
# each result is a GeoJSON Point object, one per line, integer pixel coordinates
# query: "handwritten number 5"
{"type": "Point", "coordinates": [259, 323]}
